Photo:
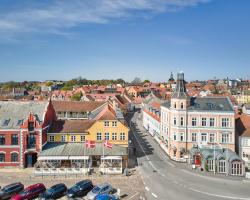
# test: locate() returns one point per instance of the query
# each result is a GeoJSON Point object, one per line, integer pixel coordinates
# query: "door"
{"type": "Point", "coordinates": [197, 160]}
{"type": "Point", "coordinates": [29, 160]}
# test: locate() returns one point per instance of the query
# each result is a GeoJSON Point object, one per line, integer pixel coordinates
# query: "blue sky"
{"type": "Point", "coordinates": [61, 39]}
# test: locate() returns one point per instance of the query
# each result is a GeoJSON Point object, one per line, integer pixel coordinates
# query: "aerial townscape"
{"type": "Point", "coordinates": [133, 100]}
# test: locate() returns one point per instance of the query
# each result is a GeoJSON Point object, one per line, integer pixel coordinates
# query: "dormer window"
{"type": "Point", "coordinates": [5, 122]}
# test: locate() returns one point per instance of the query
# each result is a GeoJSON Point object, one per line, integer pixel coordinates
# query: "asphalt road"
{"type": "Point", "coordinates": [166, 180]}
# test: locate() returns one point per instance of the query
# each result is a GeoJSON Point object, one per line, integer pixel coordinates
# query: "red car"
{"type": "Point", "coordinates": [30, 192]}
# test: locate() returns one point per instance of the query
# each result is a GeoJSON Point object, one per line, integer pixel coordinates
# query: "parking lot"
{"type": "Point", "coordinates": [131, 187]}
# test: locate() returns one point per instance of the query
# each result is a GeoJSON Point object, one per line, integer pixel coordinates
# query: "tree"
{"type": "Point", "coordinates": [76, 97]}
{"type": "Point", "coordinates": [146, 81]}
{"type": "Point", "coordinates": [136, 81]}
{"type": "Point", "coordinates": [49, 83]}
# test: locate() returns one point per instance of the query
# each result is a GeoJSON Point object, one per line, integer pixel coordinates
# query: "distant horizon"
{"type": "Point", "coordinates": [61, 39]}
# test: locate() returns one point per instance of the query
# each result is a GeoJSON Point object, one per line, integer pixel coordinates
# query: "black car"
{"type": "Point", "coordinates": [80, 189]}
{"type": "Point", "coordinates": [55, 192]}
{"type": "Point", "coordinates": [10, 190]}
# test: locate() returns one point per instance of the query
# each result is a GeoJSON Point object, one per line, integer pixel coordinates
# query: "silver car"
{"type": "Point", "coordinates": [104, 188]}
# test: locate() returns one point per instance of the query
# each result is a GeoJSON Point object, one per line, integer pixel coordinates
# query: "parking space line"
{"type": "Point", "coordinates": [154, 195]}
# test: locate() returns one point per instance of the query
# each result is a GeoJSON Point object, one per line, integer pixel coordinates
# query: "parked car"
{"type": "Point", "coordinates": [80, 189]}
{"type": "Point", "coordinates": [106, 197]}
{"type": "Point", "coordinates": [104, 188]}
{"type": "Point", "coordinates": [55, 192]}
{"type": "Point", "coordinates": [30, 192]}
{"type": "Point", "coordinates": [10, 190]}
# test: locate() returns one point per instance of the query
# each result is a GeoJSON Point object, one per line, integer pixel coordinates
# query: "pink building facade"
{"type": "Point", "coordinates": [187, 123]}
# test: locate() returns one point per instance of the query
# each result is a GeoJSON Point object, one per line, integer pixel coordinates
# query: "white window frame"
{"type": "Point", "coordinates": [106, 136]}
{"type": "Point", "coordinates": [194, 121]}
{"type": "Point", "coordinates": [83, 138]}
{"type": "Point", "coordinates": [51, 138]}
{"type": "Point", "coordinates": [63, 138]}
{"type": "Point", "coordinates": [114, 136]}
{"type": "Point", "coordinates": [203, 135]}
{"type": "Point", "coordinates": [122, 136]}
{"type": "Point", "coordinates": [98, 136]}
{"type": "Point", "coordinates": [114, 123]}
{"type": "Point", "coordinates": [106, 123]}
{"type": "Point", "coordinates": [203, 119]}
{"type": "Point", "coordinates": [194, 136]}
{"type": "Point", "coordinates": [225, 122]}
{"type": "Point", "coordinates": [72, 138]}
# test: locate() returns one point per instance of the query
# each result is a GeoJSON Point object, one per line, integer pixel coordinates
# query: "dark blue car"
{"type": "Point", "coordinates": [106, 197]}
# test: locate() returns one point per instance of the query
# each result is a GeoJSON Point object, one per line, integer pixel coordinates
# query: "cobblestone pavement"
{"type": "Point", "coordinates": [131, 187]}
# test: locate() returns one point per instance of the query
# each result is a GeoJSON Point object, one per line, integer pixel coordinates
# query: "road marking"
{"type": "Point", "coordinates": [147, 188]}
{"type": "Point", "coordinates": [220, 196]}
{"type": "Point", "coordinates": [154, 195]}
{"type": "Point", "coordinates": [133, 195]}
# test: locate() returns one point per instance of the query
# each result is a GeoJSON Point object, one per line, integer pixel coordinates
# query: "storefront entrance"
{"type": "Point", "coordinates": [30, 159]}
{"type": "Point", "coordinates": [197, 160]}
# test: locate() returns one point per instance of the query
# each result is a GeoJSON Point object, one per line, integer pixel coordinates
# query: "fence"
{"type": "Point", "coordinates": [59, 171]}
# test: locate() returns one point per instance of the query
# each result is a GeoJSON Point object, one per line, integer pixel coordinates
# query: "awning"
{"type": "Point", "coordinates": [78, 157]}
{"type": "Point", "coordinates": [53, 158]}
{"type": "Point", "coordinates": [111, 158]}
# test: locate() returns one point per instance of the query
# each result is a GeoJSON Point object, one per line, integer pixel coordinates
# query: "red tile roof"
{"type": "Point", "coordinates": [243, 125]}
{"type": "Point", "coordinates": [76, 106]}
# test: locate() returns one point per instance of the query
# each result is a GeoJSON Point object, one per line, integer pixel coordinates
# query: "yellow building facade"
{"type": "Point", "coordinates": [116, 132]}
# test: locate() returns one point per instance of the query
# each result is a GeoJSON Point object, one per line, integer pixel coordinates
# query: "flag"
{"type": "Point", "coordinates": [90, 144]}
{"type": "Point", "coordinates": [107, 144]}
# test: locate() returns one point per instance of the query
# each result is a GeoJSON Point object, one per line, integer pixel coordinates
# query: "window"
{"type": "Point", "coordinates": [203, 121]}
{"type": "Point", "coordinates": [175, 136]}
{"type": "Point", "coordinates": [5, 122]}
{"type": "Point", "coordinates": [106, 136]}
{"type": "Point", "coordinates": [175, 105]}
{"type": "Point", "coordinates": [51, 138]}
{"type": "Point", "coordinates": [14, 139]}
{"type": "Point", "coordinates": [225, 138]}
{"type": "Point", "coordinates": [2, 157]}
{"type": "Point", "coordinates": [14, 157]}
{"type": "Point", "coordinates": [99, 136]}
{"type": "Point", "coordinates": [211, 122]}
{"type": "Point", "coordinates": [194, 137]}
{"type": "Point", "coordinates": [82, 138]}
{"type": "Point", "coordinates": [182, 121]}
{"type": "Point", "coordinates": [122, 136]}
{"type": "Point", "coordinates": [73, 138]}
{"type": "Point", "coordinates": [210, 164]}
{"type": "Point", "coordinates": [222, 166]}
{"type": "Point", "coordinates": [114, 136]}
{"type": "Point", "coordinates": [2, 139]}
{"type": "Point", "coordinates": [194, 121]}
{"type": "Point", "coordinates": [63, 138]}
{"type": "Point", "coordinates": [225, 122]}
{"type": "Point", "coordinates": [174, 120]}
{"type": "Point", "coordinates": [203, 137]}
{"type": "Point", "coordinates": [236, 168]}
{"type": "Point", "coordinates": [182, 105]}
{"type": "Point", "coordinates": [245, 142]}
{"type": "Point", "coordinates": [114, 123]}
{"type": "Point", "coordinates": [106, 123]}
{"type": "Point", "coordinates": [212, 137]}
{"type": "Point", "coordinates": [181, 136]}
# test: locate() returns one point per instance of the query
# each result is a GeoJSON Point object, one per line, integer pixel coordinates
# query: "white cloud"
{"type": "Point", "coordinates": [59, 16]}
